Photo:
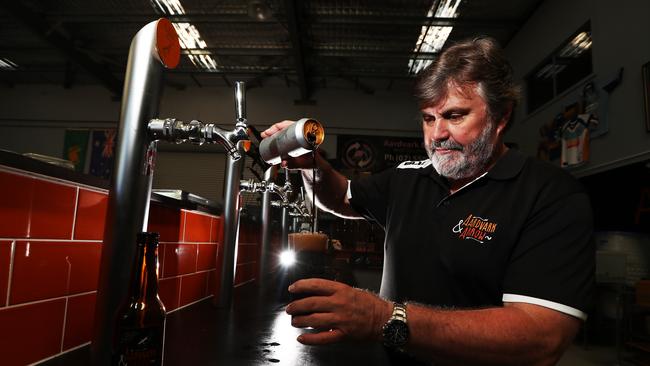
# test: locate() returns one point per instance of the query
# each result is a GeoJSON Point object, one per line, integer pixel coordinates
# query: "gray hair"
{"type": "Point", "coordinates": [479, 61]}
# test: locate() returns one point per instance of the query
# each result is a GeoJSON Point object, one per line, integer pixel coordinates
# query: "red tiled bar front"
{"type": "Point", "coordinates": [50, 246]}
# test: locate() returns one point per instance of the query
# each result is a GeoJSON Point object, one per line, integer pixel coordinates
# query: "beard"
{"type": "Point", "coordinates": [465, 161]}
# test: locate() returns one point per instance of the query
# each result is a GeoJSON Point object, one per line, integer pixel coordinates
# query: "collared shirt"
{"type": "Point", "coordinates": [519, 233]}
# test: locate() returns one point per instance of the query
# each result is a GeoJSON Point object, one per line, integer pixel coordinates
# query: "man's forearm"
{"type": "Point", "coordinates": [331, 189]}
{"type": "Point", "coordinates": [500, 336]}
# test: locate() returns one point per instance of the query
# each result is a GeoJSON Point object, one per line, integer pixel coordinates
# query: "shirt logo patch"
{"type": "Point", "coordinates": [475, 228]}
{"type": "Point", "coordinates": [414, 164]}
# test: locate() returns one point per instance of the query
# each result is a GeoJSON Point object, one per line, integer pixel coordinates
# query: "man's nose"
{"type": "Point", "coordinates": [439, 131]}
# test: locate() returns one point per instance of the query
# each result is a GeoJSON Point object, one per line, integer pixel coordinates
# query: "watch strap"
{"type": "Point", "coordinates": [395, 330]}
{"type": "Point", "coordinates": [399, 312]}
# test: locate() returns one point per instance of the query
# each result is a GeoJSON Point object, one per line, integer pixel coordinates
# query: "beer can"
{"type": "Point", "coordinates": [298, 139]}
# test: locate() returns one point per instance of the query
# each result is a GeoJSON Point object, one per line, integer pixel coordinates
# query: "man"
{"type": "Point", "coordinates": [488, 257]}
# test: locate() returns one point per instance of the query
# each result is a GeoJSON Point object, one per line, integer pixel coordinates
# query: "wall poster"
{"type": "Point", "coordinates": [371, 154]}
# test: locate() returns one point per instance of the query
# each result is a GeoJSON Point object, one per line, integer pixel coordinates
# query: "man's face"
{"type": "Point", "coordinates": [458, 134]}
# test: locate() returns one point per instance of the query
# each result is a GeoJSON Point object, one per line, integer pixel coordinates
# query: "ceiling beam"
{"type": "Point", "coordinates": [298, 52]}
{"type": "Point", "coordinates": [413, 20]}
{"type": "Point", "coordinates": [233, 73]}
{"type": "Point", "coordinates": [252, 51]}
{"type": "Point", "coordinates": [216, 18]}
{"type": "Point", "coordinates": [339, 67]}
{"type": "Point", "coordinates": [37, 24]}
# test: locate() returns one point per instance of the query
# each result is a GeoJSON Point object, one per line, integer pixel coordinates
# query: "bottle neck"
{"type": "Point", "coordinates": [145, 273]}
{"type": "Point", "coordinates": [151, 269]}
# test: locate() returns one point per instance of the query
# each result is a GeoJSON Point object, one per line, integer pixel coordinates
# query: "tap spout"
{"type": "Point", "coordinates": [297, 208]}
{"type": "Point", "coordinates": [264, 186]}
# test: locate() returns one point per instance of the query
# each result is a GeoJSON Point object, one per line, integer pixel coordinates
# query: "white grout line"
{"type": "Point", "coordinates": [82, 294]}
{"type": "Point", "coordinates": [65, 318]}
{"type": "Point", "coordinates": [200, 213]}
{"type": "Point", "coordinates": [189, 274]}
{"type": "Point", "coordinates": [60, 354]}
{"type": "Point", "coordinates": [67, 282]}
{"type": "Point", "coordinates": [210, 236]}
{"type": "Point", "coordinates": [44, 300]}
{"type": "Point", "coordinates": [12, 255]}
{"type": "Point", "coordinates": [196, 261]}
{"type": "Point", "coordinates": [28, 232]}
{"type": "Point", "coordinates": [243, 283]}
{"type": "Point", "coordinates": [186, 242]}
{"type": "Point", "coordinates": [54, 240]}
{"type": "Point", "coordinates": [74, 215]}
{"type": "Point", "coordinates": [184, 224]}
{"type": "Point", "coordinates": [50, 179]}
{"type": "Point", "coordinates": [161, 261]}
{"type": "Point", "coordinates": [190, 304]}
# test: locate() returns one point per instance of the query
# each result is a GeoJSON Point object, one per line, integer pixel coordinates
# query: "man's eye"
{"type": "Point", "coordinates": [428, 119]}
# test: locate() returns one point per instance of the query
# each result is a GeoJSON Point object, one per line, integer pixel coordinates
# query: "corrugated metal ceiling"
{"type": "Point", "coordinates": [311, 44]}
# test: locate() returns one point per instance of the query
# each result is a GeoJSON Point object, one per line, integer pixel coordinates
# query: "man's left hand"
{"type": "Point", "coordinates": [338, 311]}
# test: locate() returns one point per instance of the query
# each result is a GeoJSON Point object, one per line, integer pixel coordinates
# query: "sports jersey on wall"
{"type": "Point", "coordinates": [575, 139]}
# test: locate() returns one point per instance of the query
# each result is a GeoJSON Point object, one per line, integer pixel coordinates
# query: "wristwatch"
{"type": "Point", "coordinates": [396, 331]}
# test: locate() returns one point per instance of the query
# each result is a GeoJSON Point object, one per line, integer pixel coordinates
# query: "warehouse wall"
{"type": "Point", "coordinates": [620, 39]}
{"type": "Point", "coordinates": [34, 118]}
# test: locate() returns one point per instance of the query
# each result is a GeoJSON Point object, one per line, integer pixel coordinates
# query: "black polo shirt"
{"type": "Point", "coordinates": [519, 233]}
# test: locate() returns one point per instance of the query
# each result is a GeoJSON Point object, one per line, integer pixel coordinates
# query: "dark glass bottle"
{"type": "Point", "coordinates": [139, 335]}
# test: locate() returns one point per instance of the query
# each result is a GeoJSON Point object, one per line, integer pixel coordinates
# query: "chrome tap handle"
{"type": "Point", "coordinates": [176, 131]}
{"type": "Point", "coordinates": [252, 186]}
{"type": "Point", "coordinates": [240, 103]}
{"type": "Point", "coordinates": [198, 133]}
{"type": "Point", "coordinates": [288, 188]}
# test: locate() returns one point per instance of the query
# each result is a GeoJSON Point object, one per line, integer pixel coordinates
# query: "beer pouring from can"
{"type": "Point", "coordinates": [298, 139]}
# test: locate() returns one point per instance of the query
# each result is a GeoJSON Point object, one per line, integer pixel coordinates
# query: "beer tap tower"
{"type": "Point", "coordinates": [268, 188]}
{"type": "Point", "coordinates": [154, 48]}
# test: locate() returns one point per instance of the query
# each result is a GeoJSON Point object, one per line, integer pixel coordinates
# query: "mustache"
{"type": "Point", "coordinates": [446, 144]}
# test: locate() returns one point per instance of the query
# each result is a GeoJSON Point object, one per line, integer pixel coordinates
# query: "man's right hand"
{"type": "Point", "coordinates": [299, 163]}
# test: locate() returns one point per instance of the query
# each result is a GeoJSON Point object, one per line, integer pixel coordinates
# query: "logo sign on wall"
{"type": "Point", "coordinates": [376, 153]}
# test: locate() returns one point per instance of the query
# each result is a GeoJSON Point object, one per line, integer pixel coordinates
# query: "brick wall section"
{"type": "Point", "coordinates": [50, 246]}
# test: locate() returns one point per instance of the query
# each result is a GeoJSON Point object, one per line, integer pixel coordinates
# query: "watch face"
{"type": "Point", "coordinates": [396, 333]}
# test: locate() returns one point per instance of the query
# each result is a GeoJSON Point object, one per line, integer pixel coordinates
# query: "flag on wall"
{"type": "Point", "coordinates": [103, 153]}
{"type": "Point", "coordinates": [75, 147]}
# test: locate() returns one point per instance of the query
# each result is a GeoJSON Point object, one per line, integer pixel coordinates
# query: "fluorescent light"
{"type": "Point", "coordinates": [6, 64]}
{"type": "Point", "coordinates": [189, 36]}
{"type": "Point", "coordinates": [433, 38]}
{"type": "Point", "coordinates": [169, 7]}
{"type": "Point", "coordinates": [577, 46]}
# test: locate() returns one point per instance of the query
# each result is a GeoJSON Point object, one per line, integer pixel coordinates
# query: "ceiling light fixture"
{"type": "Point", "coordinates": [433, 38]}
{"type": "Point", "coordinates": [169, 7]}
{"type": "Point", "coordinates": [577, 46]}
{"type": "Point", "coordinates": [6, 64]}
{"type": "Point", "coordinates": [259, 10]}
{"type": "Point", "coordinates": [188, 35]}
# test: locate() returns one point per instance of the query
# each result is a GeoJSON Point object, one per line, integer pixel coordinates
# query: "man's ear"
{"type": "Point", "coordinates": [503, 122]}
